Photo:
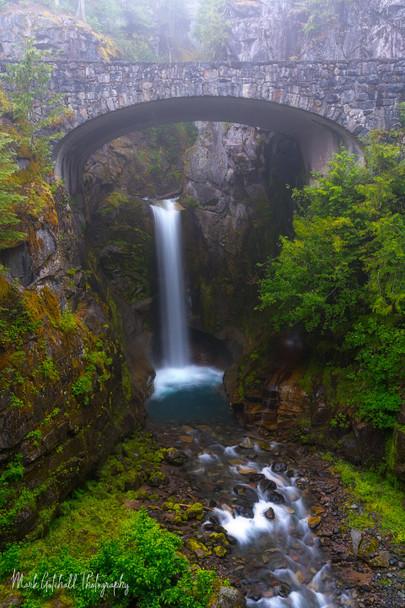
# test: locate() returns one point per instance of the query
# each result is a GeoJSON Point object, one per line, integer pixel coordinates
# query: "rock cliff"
{"type": "Point", "coordinates": [285, 29]}
{"type": "Point", "coordinates": [238, 204]}
{"type": "Point", "coordinates": [66, 390]}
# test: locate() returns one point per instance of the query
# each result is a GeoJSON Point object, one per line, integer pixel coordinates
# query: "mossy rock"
{"type": "Point", "coordinates": [195, 511]}
{"type": "Point", "coordinates": [198, 548]}
{"type": "Point", "coordinates": [220, 551]}
{"type": "Point", "coordinates": [228, 597]}
{"type": "Point", "coordinates": [368, 548]}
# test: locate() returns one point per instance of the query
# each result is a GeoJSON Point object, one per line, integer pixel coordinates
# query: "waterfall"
{"type": "Point", "coordinates": [170, 265]}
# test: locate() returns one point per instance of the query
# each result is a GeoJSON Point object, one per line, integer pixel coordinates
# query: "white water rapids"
{"type": "Point", "coordinates": [283, 565]}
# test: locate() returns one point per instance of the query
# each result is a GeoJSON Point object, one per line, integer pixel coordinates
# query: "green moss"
{"type": "Point", "coordinates": [97, 365]}
{"type": "Point", "coordinates": [195, 511]}
{"type": "Point", "coordinates": [220, 551]}
{"type": "Point", "coordinates": [379, 496]}
{"type": "Point", "coordinates": [48, 370]}
{"type": "Point", "coordinates": [35, 436]}
{"type": "Point", "coordinates": [16, 401]}
{"type": "Point", "coordinates": [67, 322]}
{"type": "Point", "coordinates": [126, 382]}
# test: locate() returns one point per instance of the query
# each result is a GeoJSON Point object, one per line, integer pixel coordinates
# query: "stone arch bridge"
{"type": "Point", "coordinates": [323, 104]}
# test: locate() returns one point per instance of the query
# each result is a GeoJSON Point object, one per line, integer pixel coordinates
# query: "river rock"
{"type": "Point", "coordinates": [246, 470]}
{"type": "Point", "coordinates": [269, 514]}
{"type": "Point", "coordinates": [228, 597]}
{"type": "Point", "coordinates": [382, 560]}
{"type": "Point", "coordinates": [279, 467]}
{"type": "Point", "coordinates": [175, 457]}
{"type": "Point", "coordinates": [255, 477]}
{"type": "Point", "coordinates": [283, 590]}
{"type": "Point", "coordinates": [198, 548]}
{"type": "Point", "coordinates": [246, 492]}
{"type": "Point", "coordinates": [356, 539]}
{"type": "Point", "coordinates": [265, 445]}
{"type": "Point", "coordinates": [187, 438]}
{"type": "Point", "coordinates": [369, 552]}
{"type": "Point", "coordinates": [368, 549]}
{"type": "Point", "coordinates": [247, 443]}
{"type": "Point", "coordinates": [267, 484]}
{"type": "Point", "coordinates": [244, 510]}
{"type": "Point", "coordinates": [275, 497]}
{"type": "Point", "coordinates": [313, 522]}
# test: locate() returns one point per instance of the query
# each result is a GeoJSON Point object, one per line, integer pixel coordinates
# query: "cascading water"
{"type": "Point", "coordinates": [260, 504]}
{"type": "Point", "coordinates": [173, 309]}
{"type": "Point", "coordinates": [178, 378]}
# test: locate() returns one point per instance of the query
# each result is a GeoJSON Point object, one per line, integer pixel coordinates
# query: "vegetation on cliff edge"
{"type": "Point", "coordinates": [341, 277]}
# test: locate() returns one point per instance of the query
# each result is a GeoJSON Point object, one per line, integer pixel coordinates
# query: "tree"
{"type": "Point", "coordinates": [173, 20]}
{"type": "Point", "coordinates": [9, 198]}
{"type": "Point", "coordinates": [212, 29]}
{"type": "Point", "coordinates": [34, 107]}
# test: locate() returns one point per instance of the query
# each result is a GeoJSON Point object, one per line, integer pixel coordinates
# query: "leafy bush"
{"type": "Point", "coordinates": [142, 563]}
{"type": "Point", "coordinates": [341, 276]}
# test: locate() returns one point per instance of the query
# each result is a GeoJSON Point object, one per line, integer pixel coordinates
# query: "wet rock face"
{"type": "Point", "coordinates": [262, 31]}
{"type": "Point", "coordinates": [55, 33]}
{"type": "Point", "coordinates": [273, 30]}
{"type": "Point", "coordinates": [66, 394]}
{"type": "Point", "coordinates": [237, 205]}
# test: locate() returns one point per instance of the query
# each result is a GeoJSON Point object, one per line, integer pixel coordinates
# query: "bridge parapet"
{"type": "Point", "coordinates": [323, 104]}
{"type": "Point", "coordinates": [358, 95]}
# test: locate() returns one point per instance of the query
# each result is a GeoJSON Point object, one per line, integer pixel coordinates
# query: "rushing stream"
{"type": "Point", "coordinates": [255, 491]}
{"type": "Point", "coordinates": [260, 504]}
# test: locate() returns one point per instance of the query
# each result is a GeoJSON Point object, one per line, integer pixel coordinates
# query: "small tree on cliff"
{"type": "Point", "coordinates": [34, 107]}
{"type": "Point", "coordinates": [9, 199]}
{"type": "Point", "coordinates": [212, 29]}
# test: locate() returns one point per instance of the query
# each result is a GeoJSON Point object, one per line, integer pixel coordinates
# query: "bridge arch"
{"type": "Point", "coordinates": [318, 135]}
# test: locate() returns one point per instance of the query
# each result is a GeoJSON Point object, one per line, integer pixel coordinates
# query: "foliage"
{"type": "Point", "coordinates": [142, 30]}
{"type": "Point", "coordinates": [11, 475]}
{"type": "Point", "coordinates": [15, 321]}
{"type": "Point", "coordinates": [97, 364]}
{"type": "Point", "coordinates": [34, 107]}
{"type": "Point", "coordinates": [141, 563]}
{"type": "Point", "coordinates": [10, 200]}
{"type": "Point", "coordinates": [48, 369]}
{"type": "Point", "coordinates": [67, 322]}
{"type": "Point", "coordinates": [120, 545]}
{"type": "Point", "coordinates": [317, 13]}
{"type": "Point", "coordinates": [212, 29]}
{"type": "Point", "coordinates": [173, 21]}
{"type": "Point", "coordinates": [341, 277]}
